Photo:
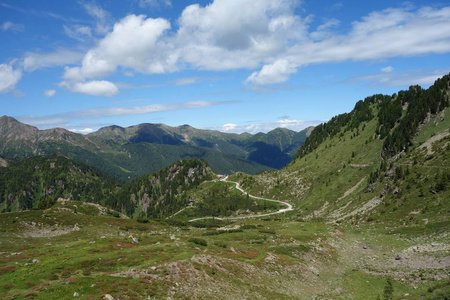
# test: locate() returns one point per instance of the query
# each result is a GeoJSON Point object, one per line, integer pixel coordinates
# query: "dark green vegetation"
{"type": "Point", "coordinates": [130, 152]}
{"type": "Point", "coordinates": [162, 193]}
{"type": "Point", "coordinates": [371, 200]}
{"type": "Point", "coordinates": [222, 199]}
{"type": "Point", "coordinates": [418, 103]}
{"type": "Point", "coordinates": [39, 181]}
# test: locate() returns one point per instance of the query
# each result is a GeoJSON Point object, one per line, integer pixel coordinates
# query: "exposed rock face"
{"type": "Point", "coordinates": [12, 130]}
{"type": "Point", "coordinates": [3, 163]}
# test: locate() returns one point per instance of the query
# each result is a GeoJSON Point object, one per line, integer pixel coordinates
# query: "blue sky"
{"type": "Point", "coordinates": [229, 65]}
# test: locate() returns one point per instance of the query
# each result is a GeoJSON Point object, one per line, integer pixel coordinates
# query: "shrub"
{"type": "Point", "coordinates": [388, 292]}
{"type": "Point", "coordinates": [198, 241]}
{"type": "Point", "coordinates": [142, 220]}
{"type": "Point", "coordinates": [141, 228]}
{"type": "Point", "coordinates": [209, 223]}
{"type": "Point", "coordinates": [248, 226]}
{"type": "Point", "coordinates": [114, 213]}
{"type": "Point", "coordinates": [221, 244]}
{"type": "Point", "coordinates": [269, 231]}
{"type": "Point", "coordinates": [53, 277]}
{"type": "Point", "coordinates": [209, 233]}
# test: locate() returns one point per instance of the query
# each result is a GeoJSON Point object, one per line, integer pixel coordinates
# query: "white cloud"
{"type": "Point", "coordinates": [62, 119]}
{"type": "Point", "coordinates": [387, 69]}
{"type": "Point", "coordinates": [84, 130]}
{"type": "Point", "coordinates": [380, 35]}
{"type": "Point", "coordinates": [265, 34]}
{"type": "Point", "coordinates": [99, 88]}
{"type": "Point", "coordinates": [190, 80]}
{"type": "Point", "coordinates": [18, 94]}
{"type": "Point", "coordinates": [49, 93]}
{"type": "Point", "coordinates": [140, 110]}
{"type": "Point", "coordinates": [8, 78]}
{"type": "Point", "coordinates": [94, 65]}
{"type": "Point", "coordinates": [285, 123]}
{"type": "Point", "coordinates": [102, 17]}
{"type": "Point", "coordinates": [234, 34]}
{"type": "Point", "coordinates": [381, 20]}
{"type": "Point", "coordinates": [337, 6]}
{"type": "Point", "coordinates": [277, 72]}
{"type": "Point", "coordinates": [325, 30]}
{"type": "Point", "coordinates": [228, 127]}
{"type": "Point", "coordinates": [34, 61]}
{"type": "Point", "coordinates": [266, 89]}
{"type": "Point", "coordinates": [131, 44]}
{"type": "Point", "coordinates": [295, 125]}
{"type": "Point", "coordinates": [329, 24]}
{"type": "Point", "coordinates": [10, 26]}
{"type": "Point", "coordinates": [154, 3]}
{"type": "Point", "coordinates": [78, 32]}
{"type": "Point", "coordinates": [402, 79]}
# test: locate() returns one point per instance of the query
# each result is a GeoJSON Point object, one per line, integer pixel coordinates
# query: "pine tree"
{"type": "Point", "coordinates": [388, 293]}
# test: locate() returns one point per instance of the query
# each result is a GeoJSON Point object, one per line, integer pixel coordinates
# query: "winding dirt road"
{"type": "Point", "coordinates": [288, 206]}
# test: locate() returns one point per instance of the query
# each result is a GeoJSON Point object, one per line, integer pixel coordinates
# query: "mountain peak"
{"type": "Point", "coordinates": [108, 129]}
{"type": "Point", "coordinates": [281, 129]}
{"type": "Point", "coordinates": [11, 129]}
{"type": "Point", "coordinates": [7, 119]}
{"type": "Point", "coordinates": [185, 126]}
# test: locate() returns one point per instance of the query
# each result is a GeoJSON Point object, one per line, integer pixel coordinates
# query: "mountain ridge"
{"type": "Point", "coordinates": [124, 151]}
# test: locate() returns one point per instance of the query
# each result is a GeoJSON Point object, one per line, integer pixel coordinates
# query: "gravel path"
{"type": "Point", "coordinates": [283, 210]}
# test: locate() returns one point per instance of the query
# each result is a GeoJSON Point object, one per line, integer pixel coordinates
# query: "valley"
{"type": "Point", "coordinates": [360, 212]}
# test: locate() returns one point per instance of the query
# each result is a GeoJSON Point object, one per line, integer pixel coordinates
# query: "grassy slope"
{"type": "Point", "coordinates": [266, 259]}
{"type": "Point", "coordinates": [336, 177]}
{"type": "Point", "coordinates": [410, 219]}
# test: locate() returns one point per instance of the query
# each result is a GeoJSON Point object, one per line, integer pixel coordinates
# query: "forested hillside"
{"type": "Point", "coordinates": [160, 194]}
{"type": "Point", "coordinates": [39, 181]}
{"type": "Point", "coordinates": [416, 103]}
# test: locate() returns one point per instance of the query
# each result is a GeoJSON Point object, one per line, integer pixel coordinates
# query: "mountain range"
{"type": "Point", "coordinates": [360, 212]}
{"type": "Point", "coordinates": [141, 149]}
